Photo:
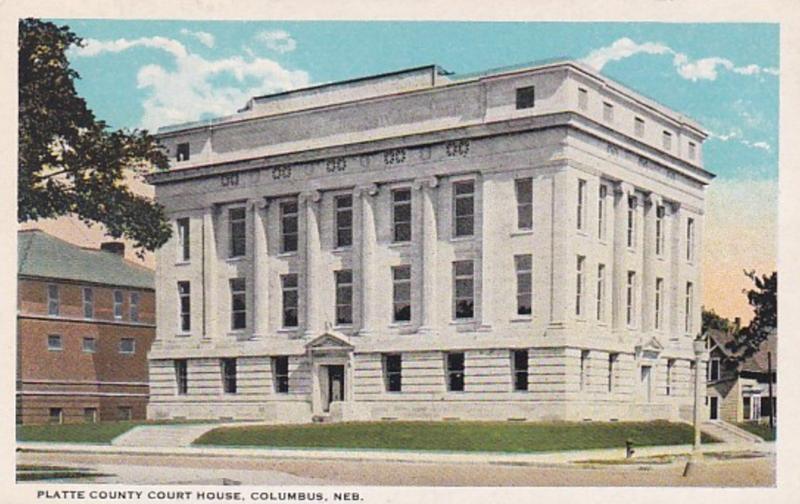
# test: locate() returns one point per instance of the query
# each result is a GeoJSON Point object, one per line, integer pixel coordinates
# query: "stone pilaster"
{"type": "Point", "coordinates": [619, 278]}
{"type": "Point", "coordinates": [312, 264]}
{"type": "Point", "coordinates": [426, 237]}
{"type": "Point", "coordinates": [367, 242]}
{"type": "Point", "coordinates": [260, 268]}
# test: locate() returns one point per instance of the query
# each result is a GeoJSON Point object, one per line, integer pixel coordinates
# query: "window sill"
{"type": "Point", "coordinates": [400, 325]}
{"type": "Point", "coordinates": [287, 254]}
{"type": "Point", "coordinates": [287, 330]}
{"type": "Point", "coordinates": [342, 327]}
{"type": "Point", "coordinates": [342, 250]}
{"type": "Point", "coordinates": [521, 319]}
{"type": "Point", "coordinates": [235, 259]}
{"type": "Point", "coordinates": [583, 233]}
{"type": "Point", "coordinates": [402, 244]}
{"type": "Point", "coordinates": [456, 239]}
{"type": "Point", "coordinates": [463, 322]}
{"type": "Point", "coordinates": [521, 232]}
{"type": "Point", "coordinates": [183, 334]}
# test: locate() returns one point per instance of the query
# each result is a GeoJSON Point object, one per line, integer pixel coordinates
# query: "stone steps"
{"type": "Point", "coordinates": [162, 435]}
{"type": "Point", "coordinates": [728, 433]}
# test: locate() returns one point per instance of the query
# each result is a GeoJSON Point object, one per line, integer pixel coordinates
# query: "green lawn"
{"type": "Point", "coordinates": [456, 436]}
{"type": "Point", "coordinates": [101, 432]}
{"type": "Point", "coordinates": [759, 429]}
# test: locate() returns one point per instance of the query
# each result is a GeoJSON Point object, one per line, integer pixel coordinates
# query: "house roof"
{"type": "Point", "coordinates": [756, 363]}
{"type": "Point", "coordinates": [42, 255]}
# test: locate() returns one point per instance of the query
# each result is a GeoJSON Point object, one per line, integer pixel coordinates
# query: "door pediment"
{"type": "Point", "coordinates": [649, 349]}
{"type": "Point", "coordinates": [330, 341]}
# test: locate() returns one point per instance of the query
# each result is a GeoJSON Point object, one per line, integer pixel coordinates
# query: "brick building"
{"type": "Point", "coordinates": [85, 322]}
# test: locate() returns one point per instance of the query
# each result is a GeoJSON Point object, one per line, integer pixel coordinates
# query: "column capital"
{"type": "Point", "coordinates": [366, 190]}
{"type": "Point", "coordinates": [653, 199]}
{"type": "Point", "coordinates": [431, 182]}
{"type": "Point", "coordinates": [676, 206]}
{"type": "Point", "coordinates": [311, 196]}
{"type": "Point", "coordinates": [261, 203]}
{"type": "Point", "coordinates": [623, 189]}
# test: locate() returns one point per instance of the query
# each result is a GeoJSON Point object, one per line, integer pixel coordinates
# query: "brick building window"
{"type": "Point", "coordinates": [290, 298]}
{"type": "Point", "coordinates": [54, 343]}
{"type": "Point", "coordinates": [56, 416]}
{"type": "Point", "coordinates": [519, 363]}
{"type": "Point", "coordinates": [289, 226]}
{"type": "Point", "coordinates": [181, 376]}
{"type": "Point", "coordinates": [90, 415]}
{"type": "Point", "coordinates": [238, 303]}
{"type": "Point", "coordinates": [88, 303]}
{"type": "Point", "coordinates": [237, 228]}
{"type": "Point", "coordinates": [401, 293]}
{"type": "Point", "coordinates": [228, 369]}
{"type": "Point", "coordinates": [463, 290]}
{"type": "Point", "coordinates": [127, 346]}
{"type": "Point", "coordinates": [53, 300]}
{"type": "Point", "coordinates": [401, 215]}
{"type": "Point", "coordinates": [184, 307]}
{"type": "Point", "coordinates": [89, 345]}
{"type": "Point", "coordinates": [392, 372]}
{"type": "Point", "coordinates": [464, 208]}
{"type": "Point", "coordinates": [118, 300]}
{"type": "Point", "coordinates": [344, 297]}
{"type": "Point", "coordinates": [134, 307]}
{"type": "Point", "coordinates": [280, 374]}
{"type": "Point", "coordinates": [455, 371]}
{"type": "Point", "coordinates": [343, 220]}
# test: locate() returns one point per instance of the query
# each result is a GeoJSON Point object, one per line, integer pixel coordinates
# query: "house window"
{"type": "Point", "coordinates": [54, 343]}
{"type": "Point", "coordinates": [90, 415]}
{"type": "Point", "coordinates": [118, 305]}
{"type": "Point", "coordinates": [88, 303]}
{"type": "Point", "coordinates": [659, 303]}
{"type": "Point", "coordinates": [280, 374]}
{"type": "Point", "coordinates": [690, 239]}
{"type": "Point", "coordinates": [52, 300]}
{"type": "Point", "coordinates": [602, 193]}
{"type": "Point", "coordinates": [688, 307]}
{"type": "Point", "coordinates": [182, 152]}
{"type": "Point", "coordinates": [519, 363]}
{"type": "Point", "coordinates": [344, 297]}
{"type": "Point", "coordinates": [290, 297]}
{"type": "Point", "coordinates": [238, 303]}
{"type": "Point", "coordinates": [524, 191]}
{"type": "Point", "coordinates": [581, 207]}
{"type": "Point", "coordinates": [525, 97]}
{"type": "Point", "coordinates": [344, 220]}
{"type": "Point", "coordinates": [56, 416]}
{"type": "Point", "coordinates": [692, 150]}
{"type": "Point", "coordinates": [713, 370]}
{"type": "Point", "coordinates": [630, 299]}
{"type": "Point", "coordinates": [89, 345]}
{"type": "Point", "coordinates": [401, 215]}
{"type": "Point", "coordinates": [184, 303]}
{"type": "Point", "coordinates": [463, 290]}
{"type": "Point", "coordinates": [612, 363]}
{"type": "Point", "coordinates": [134, 307]}
{"type": "Point", "coordinates": [747, 404]}
{"type": "Point", "coordinates": [523, 264]}
{"type": "Point", "coordinates": [584, 370]}
{"type": "Point", "coordinates": [401, 293]}
{"type": "Point", "coordinates": [183, 239]}
{"type": "Point", "coordinates": [464, 208]}
{"type": "Point", "coordinates": [181, 376]}
{"type": "Point", "coordinates": [579, 285]}
{"type": "Point", "coordinates": [608, 112]}
{"type": "Point", "coordinates": [631, 234]}
{"type": "Point", "coordinates": [601, 292]}
{"type": "Point", "coordinates": [393, 372]}
{"type": "Point", "coordinates": [124, 413]}
{"type": "Point", "coordinates": [127, 346]}
{"type": "Point", "coordinates": [638, 127]}
{"type": "Point", "coordinates": [289, 229]}
{"type": "Point", "coordinates": [455, 371]}
{"type": "Point", "coordinates": [660, 212]}
{"type": "Point", "coordinates": [670, 368]}
{"type": "Point", "coordinates": [583, 98]}
{"type": "Point", "coordinates": [237, 229]}
{"type": "Point", "coordinates": [228, 369]}
{"type": "Point", "coordinates": [666, 140]}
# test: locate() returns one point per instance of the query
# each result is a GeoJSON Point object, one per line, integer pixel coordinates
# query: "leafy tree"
{"type": "Point", "coordinates": [713, 321]}
{"type": "Point", "coordinates": [764, 300]}
{"type": "Point", "coordinates": [70, 162]}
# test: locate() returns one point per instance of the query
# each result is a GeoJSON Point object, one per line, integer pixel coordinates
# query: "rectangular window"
{"type": "Point", "coordinates": [401, 215]}
{"type": "Point", "coordinates": [630, 299]}
{"type": "Point", "coordinates": [612, 363]}
{"type": "Point", "coordinates": [127, 346]}
{"type": "Point", "coordinates": [401, 293]}
{"type": "Point", "coordinates": [344, 297]}
{"type": "Point", "coordinates": [659, 301]}
{"type": "Point", "coordinates": [670, 367]}
{"type": "Point", "coordinates": [280, 374]}
{"type": "Point", "coordinates": [601, 292]}
{"type": "Point", "coordinates": [713, 370]}
{"type": "Point", "coordinates": [638, 127]}
{"type": "Point", "coordinates": [290, 298]}
{"type": "Point", "coordinates": [181, 376]}
{"type": "Point", "coordinates": [581, 206]}
{"type": "Point", "coordinates": [118, 304]}
{"type": "Point", "coordinates": [608, 112]}
{"type": "Point", "coordinates": [463, 290]}
{"type": "Point", "coordinates": [89, 345]}
{"type": "Point", "coordinates": [690, 239]}
{"type": "Point", "coordinates": [124, 413]}
{"type": "Point", "coordinates": [182, 152]}
{"type": "Point", "coordinates": [660, 212]}
{"type": "Point", "coordinates": [464, 208]}
{"type": "Point", "coordinates": [134, 307]}
{"type": "Point", "coordinates": [583, 98]}
{"type": "Point", "coordinates": [237, 227]}
{"type": "Point", "coordinates": [519, 363]}
{"type": "Point", "coordinates": [688, 307]}
{"type": "Point", "coordinates": [455, 371]}
{"type": "Point", "coordinates": [228, 370]}
{"type": "Point", "coordinates": [88, 303]}
{"type": "Point", "coordinates": [524, 192]}
{"type": "Point", "coordinates": [344, 220]}
{"type": "Point", "coordinates": [631, 234]}
{"type": "Point", "coordinates": [238, 303]}
{"type": "Point", "coordinates": [602, 193]}
{"type": "Point", "coordinates": [54, 342]}
{"type": "Point", "coordinates": [90, 415]}
{"type": "Point", "coordinates": [56, 416]}
{"type": "Point", "coordinates": [525, 97]}
{"type": "Point", "coordinates": [666, 140]}
{"type": "Point", "coordinates": [289, 229]}
{"type": "Point", "coordinates": [393, 372]}
{"type": "Point", "coordinates": [692, 150]}
{"type": "Point", "coordinates": [579, 285]}
{"type": "Point", "coordinates": [184, 304]}
{"type": "Point", "coordinates": [183, 239]}
{"type": "Point", "coordinates": [52, 300]}
{"type": "Point", "coordinates": [523, 264]}
{"type": "Point", "coordinates": [584, 370]}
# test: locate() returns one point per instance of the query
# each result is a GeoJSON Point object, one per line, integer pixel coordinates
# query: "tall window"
{"type": "Point", "coordinates": [401, 293]}
{"type": "Point", "coordinates": [524, 269]}
{"type": "Point", "coordinates": [525, 97]}
{"type": "Point", "coordinates": [583, 98]}
{"type": "Point", "coordinates": [134, 307]}
{"type": "Point", "coordinates": [118, 304]}
{"type": "Point", "coordinates": [579, 285]}
{"type": "Point", "coordinates": [601, 292]}
{"type": "Point", "coordinates": [581, 206]}
{"type": "Point", "coordinates": [88, 303]}
{"type": "Point", "coordinates": [612, 363]}
{"type": "Point", "coordinates": [290, 297]}
{"type": "Point", "coordinates": [660, 212]}
{"type": "Point", "coordinates": [519, 362]}
{"type": "Point", "coordinates": [524, 192]}
{"type": "Point", "coordinates": [602, 193]}
{"type": "Point", "coordinates": [184, 304]}
{"type": "Point", "coordinates": [344, 220]}
{"type": "Point", "coordinates": [280, 374]}
{"type": "Point", "coordinates": [181, 376]}
{"type": "Point", "coordinates": [666, 140]}
{"type": "Point", "coordinates": [688, 307]}
{"type": "Point", "coordinates": [463, 290]}
{"type": "Point", "coordinates": [670, 367]}
{"type": "Point", "coordinates": [289, 230]}
{"type": "Point", "coordinates": [401, 215]}
{"type": "Point", "coordinates": [692, 150]}
{"type": "Point", "coordinates": [713, 370]}
{"type": "Point", "coordinates": [608, 112]}
{"type": "Point", "coordinates": [236, 221]}
{"type": "Point", "coordinates": [393, 372]}
{"type": "Point", "coordinates": [228, 370]}
{"type": "Point", "coordinates": [344, 297]}
{"type": "Point", "coordinates": [464, 208]}
{"type": "Point", "coordinates": [631, 235]}
{"type": "Point", "coordinates": [659, 307]}
{"type": "Point", "coordinates": [238, 303]}
{"type": "Point", "coordinates": [455, 371]}
{"type": "Point", "coordinates": [52, 300]}
{"type": "Point", "coordinates": [584, 368]}
{"type": "Point", "coordinates": [630, 299]}
{"type": "Point", "coordinates": [183, 239]}
{"type": "Point", "coordinates": [690, 239]}
{"type": "Point", "coordinates": [638, 127]}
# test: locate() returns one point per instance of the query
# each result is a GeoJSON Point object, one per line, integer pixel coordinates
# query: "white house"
{"type": "Point", "coordinates": [521, 244]}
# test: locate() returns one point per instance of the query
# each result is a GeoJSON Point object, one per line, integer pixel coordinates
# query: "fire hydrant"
{"type": "Point", "coordinates": [629, 451]}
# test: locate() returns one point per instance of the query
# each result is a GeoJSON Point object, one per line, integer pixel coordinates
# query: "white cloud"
{"type": "Point", "coordinates": [736, 134]}
{"type": "Point", "coordinates": [94, 47]}
{"type": "Point", "coordinates": [204, 38]}
{"type": "Point", "coordinates": [278, 40]}
{"type": "Point", "coordinates": [621, 49]}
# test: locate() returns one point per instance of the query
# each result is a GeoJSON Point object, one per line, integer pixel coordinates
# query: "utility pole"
{"type": "Point", "coordinates": [771, 400]}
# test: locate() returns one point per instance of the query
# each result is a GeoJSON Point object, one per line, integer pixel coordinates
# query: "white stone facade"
{"type": "Point", "coordinates": [449, 143]}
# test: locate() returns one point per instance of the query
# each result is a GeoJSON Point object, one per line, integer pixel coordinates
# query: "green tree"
{"type": "Point", "coordinates": [713, 321]}
{"type": "Point", "coordinates": [70, 162]}
{"type": "Point", "coordinates": [763, 297]}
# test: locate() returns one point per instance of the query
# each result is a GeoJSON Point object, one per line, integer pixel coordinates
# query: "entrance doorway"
{"type": "Point", "coordinates": [645, 384]}
{"type": "Point", "coordinates": [713, 404]}
{"type": "Point", "coordinates": [335, 388]}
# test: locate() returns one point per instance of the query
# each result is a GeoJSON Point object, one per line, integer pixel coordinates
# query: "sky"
{"type": "Point", "coordinates": [146, 74]}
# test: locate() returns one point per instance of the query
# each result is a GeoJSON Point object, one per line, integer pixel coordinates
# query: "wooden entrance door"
{"type": "Point", "coordinates": [335, 385]}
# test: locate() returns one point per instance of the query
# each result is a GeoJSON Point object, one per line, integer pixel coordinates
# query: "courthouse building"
{"type": "Point", "coordinates": [519, 244]}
